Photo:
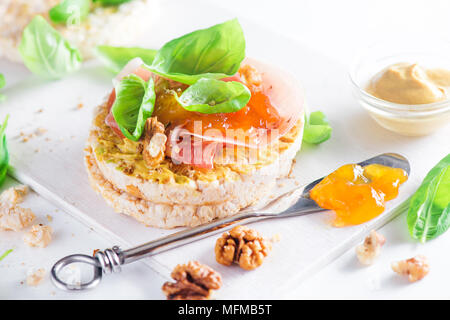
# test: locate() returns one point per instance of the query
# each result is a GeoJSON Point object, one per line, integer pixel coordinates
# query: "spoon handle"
{"type": "Point", "coordinates": [184, 237]}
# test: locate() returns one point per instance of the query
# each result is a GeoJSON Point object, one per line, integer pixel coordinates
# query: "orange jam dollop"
{"type": "Point", "coordinates": [259, 113]}
{"type": "Point", "coordinates": [358, 194]}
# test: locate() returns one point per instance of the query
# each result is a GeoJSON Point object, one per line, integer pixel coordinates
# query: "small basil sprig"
{"type": "Point", "coordinates": [111, 2]}
{"type": "Point", "coordinates": [45, 52]}
{"type": "Point", "coordinates": [317, 128]}
{"type": "Point", "coordinates": [70, 11]}
{"type": "Point", "coordinates": [429, 211]}
{"type": "Point", "coordinates": [5, 254]}
{"type": "Point", "coordinates": [214, 96]}
{"type": "Point", "coordinates": [115, 58]}
{"type": "Point", "coordinates": [135, 100]}
{"type": "Point", "coordinates": [4, 155]}
{"type": "Point", "coordinates": [215, 52]}
{"type": "Point", "coordinates": [2, 84]}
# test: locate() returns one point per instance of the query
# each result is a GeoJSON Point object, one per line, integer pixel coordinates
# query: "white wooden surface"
{"type": "Point", "coordinates": [306, 242]}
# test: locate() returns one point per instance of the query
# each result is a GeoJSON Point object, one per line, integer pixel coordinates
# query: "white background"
{"type": "Point", "coordinates": [336, 29]}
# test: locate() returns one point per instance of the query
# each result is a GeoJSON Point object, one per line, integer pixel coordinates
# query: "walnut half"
{"type": "Point", "coordinates": [370, 249]}
{"type": "Point", "coordinates": [154, 142]}
{"type": "Point", "coordinates": [244, 246]}
{"type": "Point", "coordinates": [194, 281]}
{"type": "Point", "coordinates": [415, 268]}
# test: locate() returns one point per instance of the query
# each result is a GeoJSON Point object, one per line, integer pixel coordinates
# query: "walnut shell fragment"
{"type": "Point", "coordinates": [194, 281]}
{"type": "Point", "coordinates": [154, 142]}
{"type": "Point", "coordinates": [371, 248]}
{"type": "Point", "coordinates": [243, 246]}
{"type": "Point", "coordinates": [415, 268]}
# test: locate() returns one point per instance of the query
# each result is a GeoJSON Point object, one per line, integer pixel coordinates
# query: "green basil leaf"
{"type": "Point", "coordinates": [115, 58]}
{"type": "Point", "coordinates": [4, 155]}
{"type": "Point", "coordinates": [317, 129]}
{"type": "Point", "coordinates": [111, 2]}
{"type": "Point", "coordinates": [214, 96]}
{"type": "Point", "coordinates": [45, 52]}
{"type": "Point", "coordinates": [135, 100]}
{"type": "Point", "coordinates": [70, 11]}
{"type": "Point", "coordinates": [5, 254]}
{"type": "Point", "coordinates": [216, 52]}
{"type": "Point", "coordinates": [2, 84]}
{"type": "Point", "coordinates": [429, 210]}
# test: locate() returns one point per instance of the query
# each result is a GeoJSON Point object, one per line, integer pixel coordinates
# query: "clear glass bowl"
{"type": "Point", "coordinates": [411, 120]}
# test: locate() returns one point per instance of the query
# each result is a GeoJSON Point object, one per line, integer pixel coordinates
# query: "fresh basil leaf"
{"type": "Point", "coordinates": [429, 211]}
{"type": "Point", "coordinates": [5, 254]}
{"type": "Point", "coordinates": [111, 2]}
{"type": "Point", "coordinates": [216, 52]}
{"type": "Point", "coordinates": [2, 84]}
{"type": "Point", "coordinates": [214, 96]}
{"type": "Point", "coordinates": [4, 155]}
{"type": "Point", "coordinates": [317, 129]}
{"type": "Point", "coordinates": [70, 11]}
{"type": "Point", "coordinates": [135, 100]}
{"type": "Point", "coordinates": [115, 58]}
{"type": "Point", "coordinates": [45, 52]}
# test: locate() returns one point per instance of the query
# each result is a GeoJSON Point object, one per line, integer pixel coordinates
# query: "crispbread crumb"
{"type": "Point", "coordinates": [16, 218]}
{"type": "Point", "coordinates": [276, 238]}
{"type": "Point", "coordinates": [13, 196]}
{"type": "Point", "coordinates": [49, 218]}
{"type": "Point", "coordinates": [38, 236]}
{"type": "Point", "coordinates": [35, 278]}
{"type": "Point", "coordinates": [13, 217]}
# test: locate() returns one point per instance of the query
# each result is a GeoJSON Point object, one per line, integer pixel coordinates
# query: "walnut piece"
{"type": "Point", "coordinates": [38, 236]}
{"type": "Point", "coordinates": [415, 268]}
{"type": "Point", "coordinates": [13, 217]}
{"type": "Point", "coordinates": [194, 281]}
{"type": "Point", "coordinates": [243, 246]}
{"type": "Point", "coordinates": [370, 249]}
{"type": "Point", "coordinates": [35, 278]}
{"type": "Point", "coordinates": [154, 142]}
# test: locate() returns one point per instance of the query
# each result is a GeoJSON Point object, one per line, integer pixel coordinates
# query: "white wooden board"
{"type": "Point", "coordinates": [52, 162]}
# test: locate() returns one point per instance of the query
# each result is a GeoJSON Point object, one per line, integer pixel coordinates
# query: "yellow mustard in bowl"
{"type": "Point", "coordinates": [410, 83]}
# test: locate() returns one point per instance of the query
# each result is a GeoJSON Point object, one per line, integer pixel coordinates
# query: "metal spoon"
{"type": "Point", "coordinates": [290, 204]}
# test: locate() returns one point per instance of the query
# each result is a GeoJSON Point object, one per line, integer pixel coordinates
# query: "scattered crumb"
{"type": "Point", "coordinates": [36, 150]}
{"type": "Point", "coordinates": [40, 110]}
{"type": "Point", "coordinates": [49, 218]}
{"type": "Point", "coordinates": [41, 131]}
{"type": "Point", "coordinates": [276, 238]}
{"type": "Point", "coordinates": [53, 293]}
{"type": "Point", "coordinates": [35, 278]}
{"type": "Point", "coordinates": [38, 236]}
{"type": "Point", "coordinates": [13, 217]}
{"type": "Point", "coordinates": [292, 168]}
{"type": "Point", "coordinates": [25, 137]}
{"type": "Point", "coordinates": [80, 106]}
{"type": "Point", "coordinates": [47, 139]}
{"type": "Point", "coordinates": [415, 268]}
{"type": "Point", "coordinates": [370, 249]}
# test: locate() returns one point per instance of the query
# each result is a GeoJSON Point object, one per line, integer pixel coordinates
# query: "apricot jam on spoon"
{"type": "Point", "coordinates": [358, 194]}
